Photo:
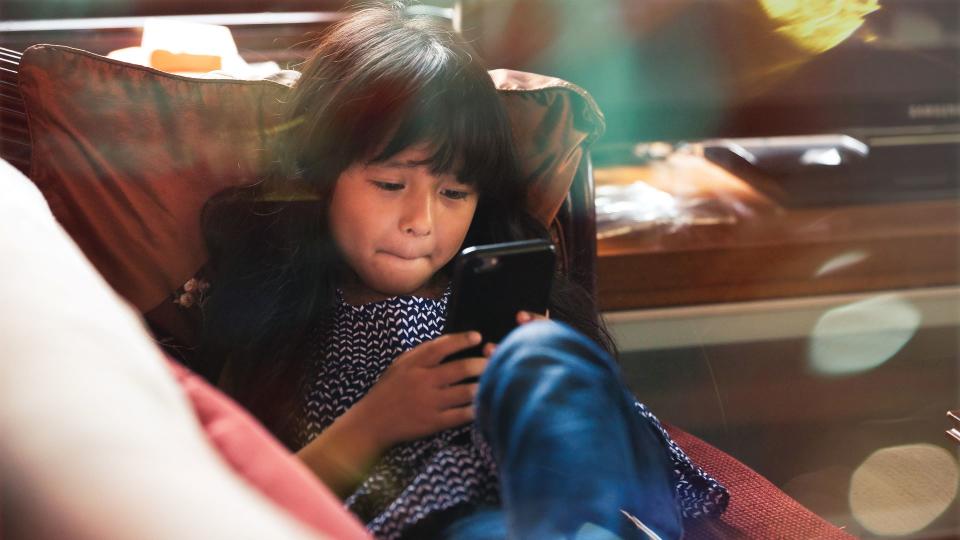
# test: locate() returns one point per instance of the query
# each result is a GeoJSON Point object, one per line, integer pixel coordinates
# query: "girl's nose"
{"type": "Point", "coordinates": [417, 219]}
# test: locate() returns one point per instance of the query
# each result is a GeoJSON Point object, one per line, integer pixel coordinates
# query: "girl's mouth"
{"type": "Point", "coordinates": [403, 256]}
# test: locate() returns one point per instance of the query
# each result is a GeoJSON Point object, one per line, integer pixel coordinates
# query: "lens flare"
{"type": "Point", "coordinates": [842, 262]}
{"type": "Point", "coordinates": [861, 336]}
{"type": "Point", "coordinates": [901, 489]}
{"type": "Point", "coordinates": [818, 25]}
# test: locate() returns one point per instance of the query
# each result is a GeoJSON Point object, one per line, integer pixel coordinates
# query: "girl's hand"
{"type": "Point", "coordinates": [523, 317]}
{"type": "Point", "coordinates": [418, 396]}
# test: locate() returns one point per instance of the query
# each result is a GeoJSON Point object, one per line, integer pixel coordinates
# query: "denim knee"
{"type": "Point", "coordinates": [546, 340]}
{"type": "Point", "coordinates": [528, 353]}
{"type": "Point", "coordinates": [563, 431]}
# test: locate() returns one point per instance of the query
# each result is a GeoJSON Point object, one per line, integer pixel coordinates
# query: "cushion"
{"type": "Point", "coordinates": [127, 155]}
{"type": "Point", "coordinates": [253, 453]}
{"type": "Point", "coordinates": [97, 438]}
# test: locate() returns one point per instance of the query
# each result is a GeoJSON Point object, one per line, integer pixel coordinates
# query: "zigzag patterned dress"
{"type": "Point", "coordinates": [445, 471]}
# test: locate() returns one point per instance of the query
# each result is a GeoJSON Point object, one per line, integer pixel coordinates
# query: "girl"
{"type": "Point", "coordinates": [330, 289]}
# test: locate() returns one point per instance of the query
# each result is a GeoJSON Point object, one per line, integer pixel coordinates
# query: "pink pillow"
{"type": "Point", "coordinates": [259, 458]}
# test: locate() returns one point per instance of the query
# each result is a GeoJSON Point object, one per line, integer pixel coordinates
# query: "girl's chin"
{"type": "Point", "coordinates": [386, 288]}
{"type": "Point", "coordinates": [426, 287]}
{"type": "Point", "coordinates": [406, 289]}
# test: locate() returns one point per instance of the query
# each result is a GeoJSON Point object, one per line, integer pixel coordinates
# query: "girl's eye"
{"type": "Point", "coordinates": [455, 194]}
{"type": "Point", "coordinates": [387, 186]}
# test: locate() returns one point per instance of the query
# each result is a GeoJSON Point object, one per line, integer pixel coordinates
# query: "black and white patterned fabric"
{"type": "Point", "coordinates": [698, 494]}
{"type": "Point", "coordinates": [452, 468]}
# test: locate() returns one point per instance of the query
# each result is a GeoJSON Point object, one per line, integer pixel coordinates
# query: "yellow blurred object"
{"type": "Point", "coordinates": [188, 38]}
{"type": "Point", "coordinates": [184, 62]}
{"type": "Point", "coordinates": [818, 25]}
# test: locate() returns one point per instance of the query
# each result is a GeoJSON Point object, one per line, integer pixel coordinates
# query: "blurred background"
{"type": "Point", "coordinates": [777, 211]}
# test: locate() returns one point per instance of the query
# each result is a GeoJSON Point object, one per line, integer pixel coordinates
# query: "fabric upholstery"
{"type": "Point", "coordinates": [757, 508]}
{"type": "Point", "coordinates": [127, 155]}
{"type": "Point", "coordinates": [97, 438]}
{"type": "Point", "coordinates": [553, 121]}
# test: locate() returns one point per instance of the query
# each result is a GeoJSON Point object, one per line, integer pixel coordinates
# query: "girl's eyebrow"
{"type": "Point", "coordinates": [397, 164]}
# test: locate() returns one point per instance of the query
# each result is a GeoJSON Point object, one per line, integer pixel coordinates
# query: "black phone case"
{"type": "Point", "coordinates": [492, 283]}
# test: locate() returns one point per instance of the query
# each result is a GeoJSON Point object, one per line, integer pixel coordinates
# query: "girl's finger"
{"type": "Point", "coordinates": [458, 370]}
{"type": "Point", "coordinates": [458, 395]}
{"type": "Point", "coordinates": [523, 317]}
{"type": "Point", "coordinates": [434, 351]}
{"type": "Point", "coordinates": [457, 416]}
{"type": "Point", "coordinates": [489, 349]}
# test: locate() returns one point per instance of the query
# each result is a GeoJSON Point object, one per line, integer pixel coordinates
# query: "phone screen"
{"type": "Point", "coordinates": [492, 283]}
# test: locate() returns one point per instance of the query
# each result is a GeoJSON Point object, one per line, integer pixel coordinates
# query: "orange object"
{"type": "Point", "coordinates": [168, 61]}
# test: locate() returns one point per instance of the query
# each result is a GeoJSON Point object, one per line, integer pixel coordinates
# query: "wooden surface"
{"type": "Point", "coordinates": [736, 244]}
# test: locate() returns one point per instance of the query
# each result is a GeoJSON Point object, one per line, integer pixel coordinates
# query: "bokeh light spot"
{"type": "Point", "coordinates": [901, 489]}
{"type": "Point", "coordinates": [840, 262]}
{"type": "Point", "coordinates": [862, 335]}
{"type": "Point", "coordinates": [818, 25]}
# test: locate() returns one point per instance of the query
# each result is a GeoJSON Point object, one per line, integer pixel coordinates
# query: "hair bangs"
{"type": "Point", "coordinates": [454, 121]}
{"type": "Point", "coordinates": [401, 84]}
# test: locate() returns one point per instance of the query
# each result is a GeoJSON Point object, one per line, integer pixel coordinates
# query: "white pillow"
{"type": "Point", "coordinates": [96, 439]}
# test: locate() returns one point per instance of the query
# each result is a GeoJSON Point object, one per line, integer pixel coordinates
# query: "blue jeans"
{"type": "Point", "coordinates": [572, 451]}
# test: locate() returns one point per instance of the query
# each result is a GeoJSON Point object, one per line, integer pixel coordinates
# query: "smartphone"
{"type": "Point", "coordinates": [491, 283]}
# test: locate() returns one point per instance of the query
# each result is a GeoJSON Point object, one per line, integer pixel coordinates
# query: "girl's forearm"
{"type": "Point", "coordinates": [341, 456]}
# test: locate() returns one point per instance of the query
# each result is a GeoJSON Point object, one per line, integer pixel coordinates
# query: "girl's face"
{"type": "Point", "coordinates": [396, 224]}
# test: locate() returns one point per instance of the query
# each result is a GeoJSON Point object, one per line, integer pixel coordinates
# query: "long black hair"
{"type": "Point", "coordinates": [377, 84]}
